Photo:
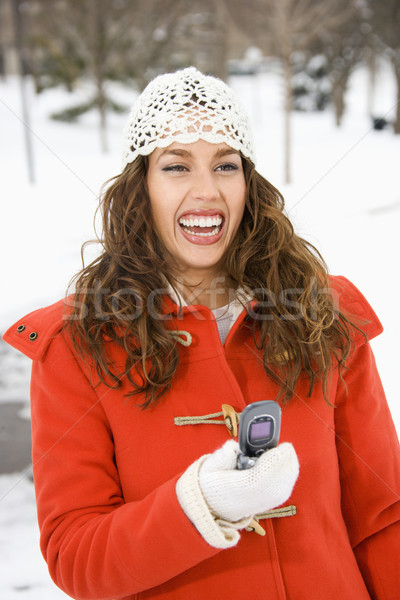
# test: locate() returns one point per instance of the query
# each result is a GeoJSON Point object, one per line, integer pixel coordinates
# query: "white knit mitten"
{"type": "Point", "coordinates": [220, 499]}
{"type": "Point", "coordinates": [234, 494]}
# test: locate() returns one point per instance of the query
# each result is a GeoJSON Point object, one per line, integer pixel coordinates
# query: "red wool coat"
{"type": "Point", "coordinates": [105, 473]}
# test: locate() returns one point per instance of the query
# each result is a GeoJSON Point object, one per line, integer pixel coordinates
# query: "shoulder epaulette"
{"type": "Point", "coordinates": [32, 334]}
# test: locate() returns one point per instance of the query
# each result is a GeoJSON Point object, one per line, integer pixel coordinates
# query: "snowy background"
{"type": "Point", "coordinates": [345, 199]}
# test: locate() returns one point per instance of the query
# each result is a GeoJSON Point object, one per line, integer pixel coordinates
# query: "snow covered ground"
{"type": "Point", "coordinates": [344, 198]}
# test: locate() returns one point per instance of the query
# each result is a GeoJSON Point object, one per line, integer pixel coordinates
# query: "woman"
{"type": "Point", "coordinates": [203, 298]}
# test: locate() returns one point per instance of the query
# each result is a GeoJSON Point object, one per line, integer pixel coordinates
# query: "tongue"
{"type": "Point", "coordinates": [197, 229]}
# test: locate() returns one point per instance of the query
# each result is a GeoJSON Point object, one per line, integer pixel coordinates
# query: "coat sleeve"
{"type": "Point", "coordinates": [95, 544]}
{"type": "Point", "coordinates": [369, 459]}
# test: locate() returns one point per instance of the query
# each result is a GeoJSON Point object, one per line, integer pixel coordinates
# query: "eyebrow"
{"type": "Point", "coordinates": [187, 154]}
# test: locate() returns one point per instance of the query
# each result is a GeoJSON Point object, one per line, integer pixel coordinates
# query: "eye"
{"type": "Point", "coordinates": [227, 167]}
{"type": "Point", "coordinates": [175, 168]}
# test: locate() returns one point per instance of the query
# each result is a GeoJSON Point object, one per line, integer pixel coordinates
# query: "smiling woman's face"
{"type": "Point", "coordinates": [197, 195]}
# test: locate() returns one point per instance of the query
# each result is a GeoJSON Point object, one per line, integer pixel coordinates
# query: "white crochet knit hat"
{"type": "Point", "coordinates": [184, 107]}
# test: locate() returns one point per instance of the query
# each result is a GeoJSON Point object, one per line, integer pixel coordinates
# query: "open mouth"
{"type": "Point", "coordinates": [202, 226]}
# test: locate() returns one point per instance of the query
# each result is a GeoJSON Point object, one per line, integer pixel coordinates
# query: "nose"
{"type": "Point", "coordinates": [204, 186]}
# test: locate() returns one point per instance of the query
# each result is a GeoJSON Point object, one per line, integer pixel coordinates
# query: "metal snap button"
{"type": "Point", "coordinates": [33, 336]}
{"type": "Point", "coordinates": [21, 328]}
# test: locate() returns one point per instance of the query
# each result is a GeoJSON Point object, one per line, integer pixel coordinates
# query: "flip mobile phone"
{"type": "Point", "coordinates": [259, 429]}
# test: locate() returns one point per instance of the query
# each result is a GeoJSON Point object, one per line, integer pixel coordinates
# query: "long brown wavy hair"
{"type": "Point", "coordinates": [297, 326]}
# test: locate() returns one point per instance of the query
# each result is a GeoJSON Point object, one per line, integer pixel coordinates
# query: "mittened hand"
{"type": "Point", "coordinates": [233, 494]}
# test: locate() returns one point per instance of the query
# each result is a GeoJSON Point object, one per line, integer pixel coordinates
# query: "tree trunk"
{"type": "Point", "coordinates": [338, 102]}
{"type": "Point", "coordinates": [396, 65]}
{"type": "Point", "coordinates": [22, 68]}
{"type": "Point", "coordinates": [372, 71]}
{"type": "Point", "coordinates": [287, 73]}
{"type": "Point", "coordinates": [97, 45]}
{"type": "Point", "coordinates": [221, 38]}
{"type": "Point", "coordinates": [102, 108]}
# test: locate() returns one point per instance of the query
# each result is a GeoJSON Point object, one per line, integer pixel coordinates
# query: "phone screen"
{"type": "Point", "coordinates": [260, 431]}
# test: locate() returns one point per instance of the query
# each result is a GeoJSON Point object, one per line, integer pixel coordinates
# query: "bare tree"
{"type": "Point", "coordinates": [344, 48]}
{"type": "Point", "coordinates": [78, 37]}
{"type": "Point", "coordinates": [292, 26]}
{"type": "Point", "coordinates": [201, 36]}
{"type": "Point", "coordinates": [156, 27]}
{"type": "Point", "coordinates": [296, 24]}
{"type": "Point", "coordinates": [385, 21]}
{"type": "Point", "coordinates": [188, 33]}
{"type": "Point", "coordinates": [108, 40]}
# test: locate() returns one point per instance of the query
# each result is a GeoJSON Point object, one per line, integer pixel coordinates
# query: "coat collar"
{"type": "Point", "coordinates": [174, 303]}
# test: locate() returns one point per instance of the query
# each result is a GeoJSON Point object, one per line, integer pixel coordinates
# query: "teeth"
{"type": "Point", "coordinates": [201, 222]}
{"type": "Point", "coordinates": [213, 232]}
